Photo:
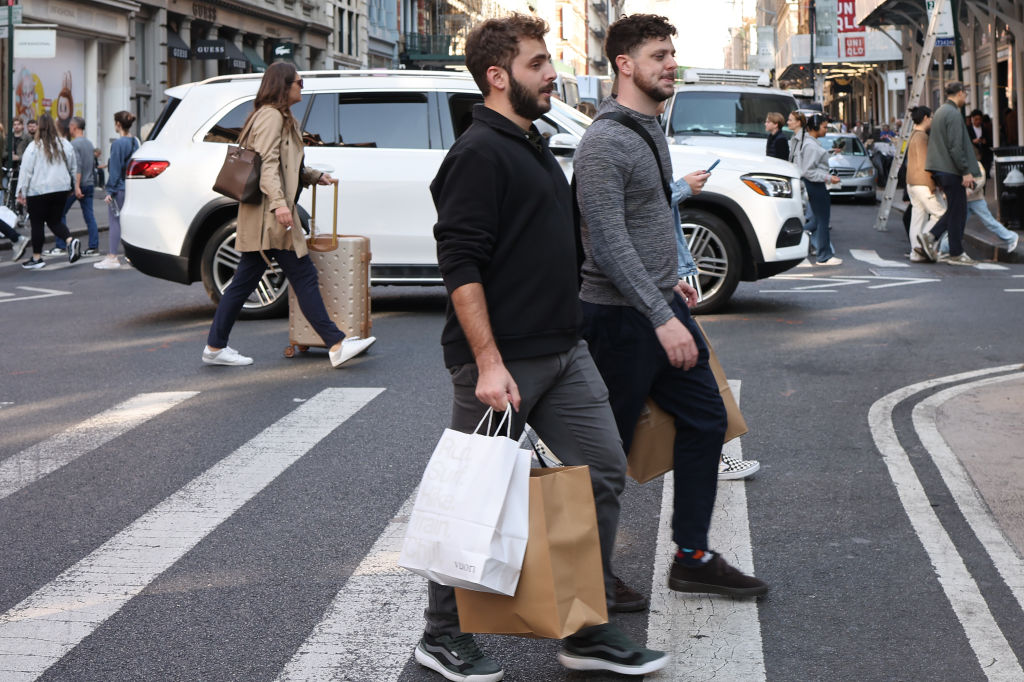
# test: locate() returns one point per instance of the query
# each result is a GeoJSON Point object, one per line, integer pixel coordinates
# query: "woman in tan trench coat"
{"type": "Point", "coordinates": [271, 229]}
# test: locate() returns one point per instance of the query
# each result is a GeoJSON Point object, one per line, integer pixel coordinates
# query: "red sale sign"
{"type": "Point", "coordinates": [846, 12]}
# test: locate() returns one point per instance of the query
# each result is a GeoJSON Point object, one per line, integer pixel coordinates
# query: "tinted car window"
{"type": "Point", "coordinates": [462, 111]}
{"type": "Point", "coordinates": [732, 114]}
{"type": "Point", "coordinates": [230, 125]}
{"type": "Point", "coordinates": [387, 120]}
{"type": "Point", "coordinates": [846, 145]}
{"type": "Point", "coordinates": [320, 128]}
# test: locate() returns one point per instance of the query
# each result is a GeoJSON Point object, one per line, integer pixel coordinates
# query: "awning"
{"type": "Point", "coordinates": [221, 49]}
{"type": "Point", "coordinates": [257, 62]}
{"type": "Point", "coordinates": [894, 13]}
{"type": "Point", "coordinates": [176, 47]}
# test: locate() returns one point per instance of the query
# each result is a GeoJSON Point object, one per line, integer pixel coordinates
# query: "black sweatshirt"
{"type": "Point", "coordinates": [504, 220]}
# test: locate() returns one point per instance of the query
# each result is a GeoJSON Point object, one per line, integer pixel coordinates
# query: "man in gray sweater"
{"type": "Point", "coordinates": [636, 321]}
{"type": "Point", "coordinates": [952, 163]}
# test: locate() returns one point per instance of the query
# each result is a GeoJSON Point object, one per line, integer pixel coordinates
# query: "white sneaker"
{"type": "Point", "coordinates": [1011, 245]}
{"type": "Point", "coordinates": [225, 356]}
{"type": "Point", "coordinates": [834, 260]}
{"type": "Point", "coordinates": [732, 469]}
{"type": "Point", "coordinates": [351, 346]}
{"type": "Point", "coordinates": [19, 247]}
{"type": "Point", "coordinates": [108, 263]}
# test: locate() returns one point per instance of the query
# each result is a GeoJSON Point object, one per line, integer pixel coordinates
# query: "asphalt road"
{"type": "Point", "coordinates": [234, 526]}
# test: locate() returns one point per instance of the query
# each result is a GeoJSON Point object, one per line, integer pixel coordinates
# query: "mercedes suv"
{"type": "Point", "coordinates": [385, 133]}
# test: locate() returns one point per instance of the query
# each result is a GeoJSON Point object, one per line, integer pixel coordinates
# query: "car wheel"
{"type": "Point", "coordinates": [717, 254]}
{"type": "Point", "coordinates": [220, 261]}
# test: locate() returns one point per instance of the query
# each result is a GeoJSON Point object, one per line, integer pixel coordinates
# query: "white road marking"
{"type": "Point", "coordinates": [36, 633]}
{"type": "Point", "coordinates": [708, 637]}
{"type": "Point", "coordinates": [996, 658]}
{"type": "Point", "coordinates": [990, 266]}
{"type": "Point", "coordinates": [378, 610]}
{"type": "Point", "coordinates": [871, 256]}
{"type": "Point", "coordinates": [968, 499]}
{"type": "Point", "coordinates": [31, 464]}
{"type": "Point", "coordinates": [43, 293]}
{"type": "Point", "coordinates": [1014, 291]}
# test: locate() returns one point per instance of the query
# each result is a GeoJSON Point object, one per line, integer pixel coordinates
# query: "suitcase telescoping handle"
{"type": "Point", "coordinates": [317, 242]}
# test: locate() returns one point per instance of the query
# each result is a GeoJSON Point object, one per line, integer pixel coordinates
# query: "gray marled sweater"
{"type": "Point", "coordinates": [627, 225]}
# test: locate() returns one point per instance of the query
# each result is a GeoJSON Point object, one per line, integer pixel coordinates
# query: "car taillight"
{"type": "Point", "coordinates": [139, 169]}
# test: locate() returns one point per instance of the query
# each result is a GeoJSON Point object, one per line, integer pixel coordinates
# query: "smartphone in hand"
{"type": "Point", "coordinates": [712, 166]}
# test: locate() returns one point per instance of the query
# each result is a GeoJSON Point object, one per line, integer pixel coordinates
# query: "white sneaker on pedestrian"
{"type": "Point", "coordinates": [834, 260]}
{"type": "Point", "coordinates": [1011, 245]}
{"type": "Point", "coordinates": [225, 356]}
{"type": "Point", "coordinates": [929, 245]}
{"type": "Point", "coordinates": [74, 250]}
{"type": "Point", "coordinates": [351, 346]}
{"type": "Point", "coordinates": [19, 246]}
{"type": "Point", "coordinates": [732, 469]}
{"type": "Point", "coordinates": [55, 251]}
{"type": "Point", "coordinates": [108, 263]}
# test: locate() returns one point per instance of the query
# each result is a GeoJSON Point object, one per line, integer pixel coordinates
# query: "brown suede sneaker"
{"type": "Point", "coordinates": [715, 577]}
{"type": "Point", "coordinates": [627, 599]}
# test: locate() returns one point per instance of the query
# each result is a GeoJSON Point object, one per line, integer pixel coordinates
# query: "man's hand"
{"type": "Point", "coordinates": [696, 180]}
{"type": "Point", "coordinates": [968, 181]}
{"type": "Point", "coordinates": [79, 194]}
{"type": "Point", "coordinates": [496, 388]}
{"type": "Point", "coordinates": [688, 293]}
{"type": "Point", "coordinates": [678, 343]}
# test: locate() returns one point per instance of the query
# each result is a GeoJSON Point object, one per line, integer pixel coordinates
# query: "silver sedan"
{"type": "Point", "coordinates": [850, 161]}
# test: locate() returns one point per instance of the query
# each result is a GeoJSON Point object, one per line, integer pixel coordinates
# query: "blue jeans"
{"type": "Point", "coordinates": [90, 218]}
{"type": "Point", "coordinates": [979, 207]}
{"type": "Point", "coordinates": [302, 277]}
{"type": "Point", "coordinates": [821, 208]}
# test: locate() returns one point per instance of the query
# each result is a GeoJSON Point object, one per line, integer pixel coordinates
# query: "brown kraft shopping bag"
{"type": "Point", "coordinates": [561, 587]}
{"type": "Point", "coordinates": [650, 454]}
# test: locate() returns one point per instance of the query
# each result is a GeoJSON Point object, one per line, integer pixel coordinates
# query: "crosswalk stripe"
{"type": "Point", "coordinates": [708, 636]}
{"type": "Point", "coordinates": [376, 611]}
{"type": "Point", "coordinates": [36, 633]}
{"type": "Point", "coordinates": [31, 464]}
{"type": "Point", "coordinates": [871, 257]}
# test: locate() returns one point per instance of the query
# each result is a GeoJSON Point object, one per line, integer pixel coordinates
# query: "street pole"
{"type": "Point", "coordinates": [10, 86]}
{"type": "Point", "coordinates": [814, 34]}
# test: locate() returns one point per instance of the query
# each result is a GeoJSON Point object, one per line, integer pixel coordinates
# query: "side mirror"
{"type": "Point", "coordinates": [563, 144]}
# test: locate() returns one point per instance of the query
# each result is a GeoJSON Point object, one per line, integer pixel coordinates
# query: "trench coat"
{"type": "Point", "coordinates": [279, 144]}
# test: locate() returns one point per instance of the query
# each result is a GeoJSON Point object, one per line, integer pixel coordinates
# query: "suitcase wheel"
{"type": "Point", "coordinates": [289, 351]}
{"type": "Point", "coordinates": [303, 349]}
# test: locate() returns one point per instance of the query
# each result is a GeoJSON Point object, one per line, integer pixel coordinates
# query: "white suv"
{"type": "Point", "coordinates": [385, 133]}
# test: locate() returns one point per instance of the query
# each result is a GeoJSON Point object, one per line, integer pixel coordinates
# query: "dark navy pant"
{"type": "Point", "coordinates": [634, 366]}
{"type": "Point", "coordinates": [301, 274]}
{"type": "Point", "coordinates": [954, 219]}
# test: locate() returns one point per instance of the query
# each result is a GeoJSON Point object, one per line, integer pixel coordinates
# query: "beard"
{"type": "Point", "coordinates": [652, 88]}
{"type": "Point", "coordinates": [525, 103]}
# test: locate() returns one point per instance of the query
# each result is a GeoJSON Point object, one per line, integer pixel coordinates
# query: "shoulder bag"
{"type": "Point", "coordinates": [239, 177]}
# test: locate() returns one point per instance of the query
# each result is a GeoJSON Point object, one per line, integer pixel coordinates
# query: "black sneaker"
{"type": "Point", "coordinates": [626, 599]}
{"type": "Point", "coordinates": [74, 250]}
{"type": "Point", "coordinates": [91, 252]}
{"type": "Point", "coordinates": [458, 659]}
{"type": "Point", "coordinates": [605, 647]}
{"type": "Point", "coordinates": [34, 264]}
{"type": "Point", "coordinates": [55, 251]}
{"type": "Point", "coordinates": [714, 577]}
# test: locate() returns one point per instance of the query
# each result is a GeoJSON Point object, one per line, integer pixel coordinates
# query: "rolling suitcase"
{"type": "Point", "coordinates": [343, 267]}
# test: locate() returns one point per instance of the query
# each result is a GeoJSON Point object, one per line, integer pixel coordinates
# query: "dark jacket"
{"type": "Point", "coordinates": [505, 220]}
{"type": "Point", "coordinates": [949, 144]}
{"type": "Point", "coordinates": [778, 146]}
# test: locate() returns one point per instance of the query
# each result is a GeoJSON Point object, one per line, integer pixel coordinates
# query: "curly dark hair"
{"type": "Point", "coordinates": [630, 32]}
{"type": "Point", "coordinates": [496, 43]}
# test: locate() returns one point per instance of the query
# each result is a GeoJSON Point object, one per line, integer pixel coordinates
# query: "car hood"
{"type": "Point", "coordinates": [750, 145]}
{"type": "Point", "coordinates": [688, 158]}
{"type": "Point", "coordinates": [846, 161]}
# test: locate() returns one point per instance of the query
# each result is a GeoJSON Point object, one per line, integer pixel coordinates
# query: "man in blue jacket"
{"type": "Point", "coordinates": [506, 249]}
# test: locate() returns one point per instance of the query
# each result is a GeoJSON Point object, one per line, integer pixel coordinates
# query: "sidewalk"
{"type": "Point", "coordinates": [983, 428]}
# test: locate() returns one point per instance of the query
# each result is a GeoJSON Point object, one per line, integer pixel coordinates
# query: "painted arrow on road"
{"type": "Point", "coordinates": [827, 285]}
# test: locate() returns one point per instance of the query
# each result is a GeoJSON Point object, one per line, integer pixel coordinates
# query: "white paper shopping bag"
{"type": "Point", "coordinates": [470, 522]}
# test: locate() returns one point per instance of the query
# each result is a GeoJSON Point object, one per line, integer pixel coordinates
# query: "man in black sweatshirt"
{"type": "Point", "coordinates": [507, 252]}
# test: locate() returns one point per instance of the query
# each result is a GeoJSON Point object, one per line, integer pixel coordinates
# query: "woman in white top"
{"type": "Point", "coordinates": [812, 161]}
{"type": "Point", "coordinates": [47, 169]}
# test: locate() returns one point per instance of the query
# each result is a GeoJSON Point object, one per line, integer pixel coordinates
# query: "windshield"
{"type": "Point", "coordinates": [575, 115]}
{"type": "Point", "coordinates": [721, 112]}
{"type": "Point", "coordinates": [851, 146]}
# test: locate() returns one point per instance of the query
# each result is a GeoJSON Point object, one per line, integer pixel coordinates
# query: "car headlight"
{"type": "Point", "coordinates": [769, 185]}
{"type": "Point", "coordinates": [866, 172]}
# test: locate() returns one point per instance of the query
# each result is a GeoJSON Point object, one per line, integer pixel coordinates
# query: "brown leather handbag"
{"type": "Point", "coordinates": [239, 177]}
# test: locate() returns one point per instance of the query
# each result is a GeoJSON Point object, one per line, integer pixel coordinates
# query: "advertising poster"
{"type": "Point", "coordinates": [54, 86]}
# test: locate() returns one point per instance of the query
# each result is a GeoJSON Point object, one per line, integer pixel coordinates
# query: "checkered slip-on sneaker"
{"type": "Point", "coordinates": [732, 469]}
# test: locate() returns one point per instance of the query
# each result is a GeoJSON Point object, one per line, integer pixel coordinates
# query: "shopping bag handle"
{"type": "Point", "coordinates": [506, 419]}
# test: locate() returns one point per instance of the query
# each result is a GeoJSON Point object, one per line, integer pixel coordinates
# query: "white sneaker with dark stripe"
{"type": "Point", "coordinates": [731, 469]}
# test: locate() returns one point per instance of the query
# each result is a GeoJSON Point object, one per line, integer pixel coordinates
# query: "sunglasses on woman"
{"type": "Point", "coordinates": [297, 80]}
